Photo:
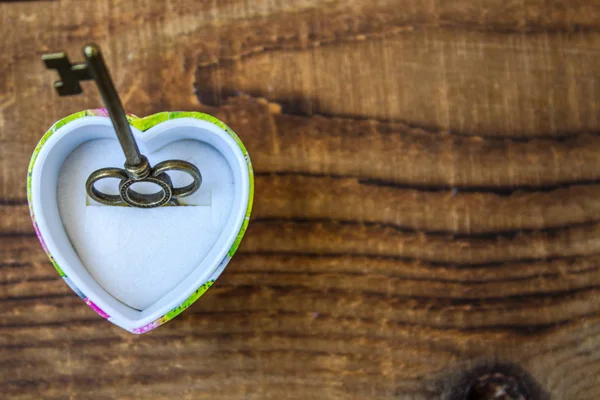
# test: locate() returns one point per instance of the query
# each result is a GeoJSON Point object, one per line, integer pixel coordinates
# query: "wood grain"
{"type": "Point", "coordinates": [427, 184]}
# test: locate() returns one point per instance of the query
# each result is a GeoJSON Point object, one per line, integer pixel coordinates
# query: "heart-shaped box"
{"type": "Point", "coordinates": [153, 133]}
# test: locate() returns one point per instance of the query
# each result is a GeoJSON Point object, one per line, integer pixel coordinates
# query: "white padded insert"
{"type": "Point", "coordinates": [139, 255]}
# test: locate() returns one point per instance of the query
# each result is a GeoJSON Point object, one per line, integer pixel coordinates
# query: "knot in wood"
{"type": "Point", "coordinates": [496, 386]}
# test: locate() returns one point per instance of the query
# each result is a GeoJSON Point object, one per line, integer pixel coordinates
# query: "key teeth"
{"type": "Point", "coordinates": [56, 60]}
{"type": "Point", "coordinates": [67, 90]}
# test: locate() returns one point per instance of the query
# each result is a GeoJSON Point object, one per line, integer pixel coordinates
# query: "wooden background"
{"type": "Point", "coordinates": [427, 197]}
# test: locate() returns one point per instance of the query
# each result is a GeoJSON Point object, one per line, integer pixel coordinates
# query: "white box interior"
{"type": "Point", "coordinates": [139, 255]}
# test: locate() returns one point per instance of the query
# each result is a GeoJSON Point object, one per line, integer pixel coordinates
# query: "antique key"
{"type": "Point", "coordinates": [137, 168]}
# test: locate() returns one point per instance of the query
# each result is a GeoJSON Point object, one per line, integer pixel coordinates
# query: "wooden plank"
{"type": "Point", "coordinates": [426, 198]}
{"type": "Point", "coordinates": [462, 82]}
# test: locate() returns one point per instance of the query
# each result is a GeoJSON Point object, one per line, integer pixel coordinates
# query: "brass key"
{"type": "Point", "coordinates": [137, 168]}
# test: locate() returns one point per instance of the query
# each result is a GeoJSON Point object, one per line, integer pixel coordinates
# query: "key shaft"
{"type": "Point", "coordinates": [99, 72]}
